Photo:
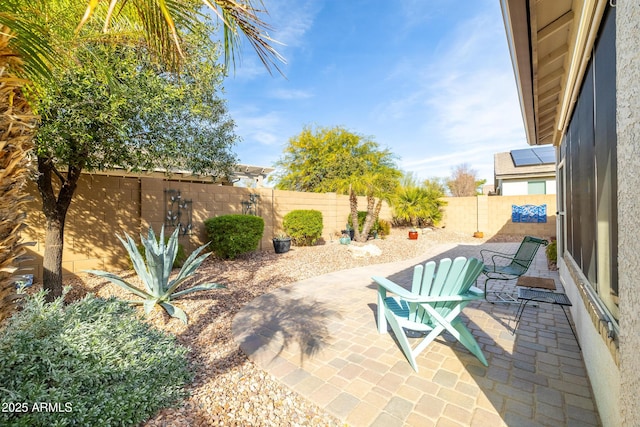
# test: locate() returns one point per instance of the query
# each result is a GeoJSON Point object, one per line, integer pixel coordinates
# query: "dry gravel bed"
{"type": "Point", "coordinates": [228, 388]}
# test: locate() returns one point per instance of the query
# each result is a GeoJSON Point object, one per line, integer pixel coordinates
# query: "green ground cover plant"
{"type": "Point", "coordinates": [92, 363]}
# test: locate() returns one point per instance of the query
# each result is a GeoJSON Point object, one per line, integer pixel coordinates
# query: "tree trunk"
{"type": "Point", "coordinates": [370, 218]}
{"type": "Point", "coordinates": [52, 262]}
{"type": "Point", "coordinates": [55, 212]}
{"type": "Point", "coordinates": [353, 203]}
{"type": "Point", "coordinates": [378, 208]}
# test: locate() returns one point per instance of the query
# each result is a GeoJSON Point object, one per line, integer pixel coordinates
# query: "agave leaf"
{"type": "Point", "coordinates": [171, 252]}
{"type": "Point", "coordinates": [174, 285]}
{"type": "Point", "coordinates": [175, 311]}
{"type": "Point", "coordinates": [120, 282]}
{"type": "Point", "coordinates": [161, 239]}
{"type": "Point", "coordinates": [149, 304]}
{"type": "Point", "coordinates": [203, 287]}
{"type": "Point", "coordinates": [190, 266]}
{"type": "Point", "coordinates": [155, 263]}
{"type": "Point", "coordinates": [136, 259]}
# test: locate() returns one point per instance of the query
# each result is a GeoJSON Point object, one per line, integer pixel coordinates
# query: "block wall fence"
{"type": "Point", "coordinates": [105, 205]}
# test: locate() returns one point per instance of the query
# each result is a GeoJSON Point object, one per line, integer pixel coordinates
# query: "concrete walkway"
{"type": "Point", "coordinates": [319, 337]}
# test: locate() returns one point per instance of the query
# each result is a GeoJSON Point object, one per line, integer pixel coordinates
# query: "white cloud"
{"type": "Point", "coordinates": [291, 94]}
{"type": "Point", "coordinates": [256, 127]}
{"type": "Point", "coordinates": [461, 102]}
{"type": "Point", "coordinates": [290, 20]}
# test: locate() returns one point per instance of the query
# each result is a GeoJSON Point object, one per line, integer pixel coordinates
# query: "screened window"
{"type": "Point", "coordinates": [589, 153]}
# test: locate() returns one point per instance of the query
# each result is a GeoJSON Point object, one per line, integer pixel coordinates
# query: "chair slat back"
{"type": "Point", "coordinates": [526, 253]}
{"type": "Point", "coordinates": [451, 278]}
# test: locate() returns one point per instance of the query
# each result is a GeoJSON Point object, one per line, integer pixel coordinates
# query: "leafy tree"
{"type": "Point", "coordinates": [416, 204]}
{"type": "Point", "coordinates": [436, 184]}
{"type": "Point", "coordinates": [141, 118]}
{"type": "Point", "coordinates": [464, 182]}
{"type": "Point", "coordinates": [337, 160]}
{"type": "Point", "coordinates": [31, 46]}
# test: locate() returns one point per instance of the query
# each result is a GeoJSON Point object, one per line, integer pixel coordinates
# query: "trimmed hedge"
{"type": "Point", "coordinates": [91, 363]}
{"type": "Point", "coordinates": [304, 226]}
{"type": "Point", "coordinates": [233, 235]}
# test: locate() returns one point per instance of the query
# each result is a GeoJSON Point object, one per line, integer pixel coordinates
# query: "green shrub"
{"type": "Point", "coordinates": [94, 359]}
{"type": "Point", "coordinates": [233, 235]}
{"type": "Point", "coordinates": [154, 271]}
{"type": "Point", "coordinates": [552, 252]}
{"type": "Point", "coordinates": [382, 227]}
{"type": "Point", "coordinates": [304, 226]}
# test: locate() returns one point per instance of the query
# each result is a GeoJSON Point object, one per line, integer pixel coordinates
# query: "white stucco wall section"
{"type": "Point", "coordinates": [521, 187]}
{"type": "Point", "coordinates": [603, 372]}
{"type": "Point", "coordinates": [628, 129]}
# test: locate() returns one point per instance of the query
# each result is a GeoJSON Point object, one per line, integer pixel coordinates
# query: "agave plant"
{"type": "Point", "coordinates": [154, 271]}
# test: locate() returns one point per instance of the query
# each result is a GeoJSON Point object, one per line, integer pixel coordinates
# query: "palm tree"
{"type": "Point", "coordinates": [376, 184]}
{"type": "Point", "coordinates": [416, 203]}
{"type": "Point", "coordinates": [26, 53]}
{"type": "Point", "coordinates": [17, 124]}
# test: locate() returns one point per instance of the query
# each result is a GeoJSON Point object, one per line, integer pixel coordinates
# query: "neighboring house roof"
{"type": "Point", "coordinates": [506, 168]}
{"type": "Point", "coordinates": [252, 172]}
{"type": "Point", "coordinates": [257, 173]}
{"type": "Point", "coordinates": [550, 42]}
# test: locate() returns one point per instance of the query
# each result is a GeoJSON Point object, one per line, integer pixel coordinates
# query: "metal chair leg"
{"type": "Point", "coordinates": [501, 297]}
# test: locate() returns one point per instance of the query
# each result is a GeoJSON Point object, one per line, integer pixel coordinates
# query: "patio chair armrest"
{"type": "Point", "coordinates": [486, 254]}
{"type": "Point", "coordinates": [498, 259]}
{"type": "Point", "coordinates": [388, 285]}
{"type": "Point", "coordinates": [449, 298]}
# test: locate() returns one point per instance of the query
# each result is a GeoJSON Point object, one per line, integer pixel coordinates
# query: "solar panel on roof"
{"type": "Point", "coordinates": [533, 156]}
{"type": "Point", "coordinates": [547, 154]}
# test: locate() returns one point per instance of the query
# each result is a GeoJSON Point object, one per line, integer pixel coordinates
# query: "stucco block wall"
{"type": "Point", "coordinates": [106, 205]}
{"type": "Point", "coordinates": [492, 215]}
{"type": "Point", "coordinates": [628, 134]}
{"type": "Point", "coordinates": [103, 206]}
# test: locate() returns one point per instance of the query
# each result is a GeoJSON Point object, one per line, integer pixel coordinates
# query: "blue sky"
{"type": "Point", "coordinates": [430, 80]}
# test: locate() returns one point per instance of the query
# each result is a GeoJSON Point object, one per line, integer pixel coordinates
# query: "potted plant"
{"type": "Point", "coordinates": [281, 243]}
{"type": "Point", "coordinates": [413, 234]}
{"type": "Point", "coordinates": [349, 231]}
{"type": "Point", "coordinates": [345, 239]}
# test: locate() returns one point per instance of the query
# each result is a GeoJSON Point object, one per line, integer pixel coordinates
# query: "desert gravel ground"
{"type": "Point", "coordinates": [229, 389]}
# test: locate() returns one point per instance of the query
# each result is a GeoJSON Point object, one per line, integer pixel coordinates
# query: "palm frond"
{"type": "Point", "coordinates": [29, 53]}
{"type": "Point", "coordinates": [158, 19]}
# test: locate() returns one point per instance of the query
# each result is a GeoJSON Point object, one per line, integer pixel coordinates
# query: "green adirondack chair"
{"type": "Point", "coordinates": [432, 306]}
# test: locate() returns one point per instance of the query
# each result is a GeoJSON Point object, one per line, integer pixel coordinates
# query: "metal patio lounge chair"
{"type": "Point", "coordinates": [504, 267]}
